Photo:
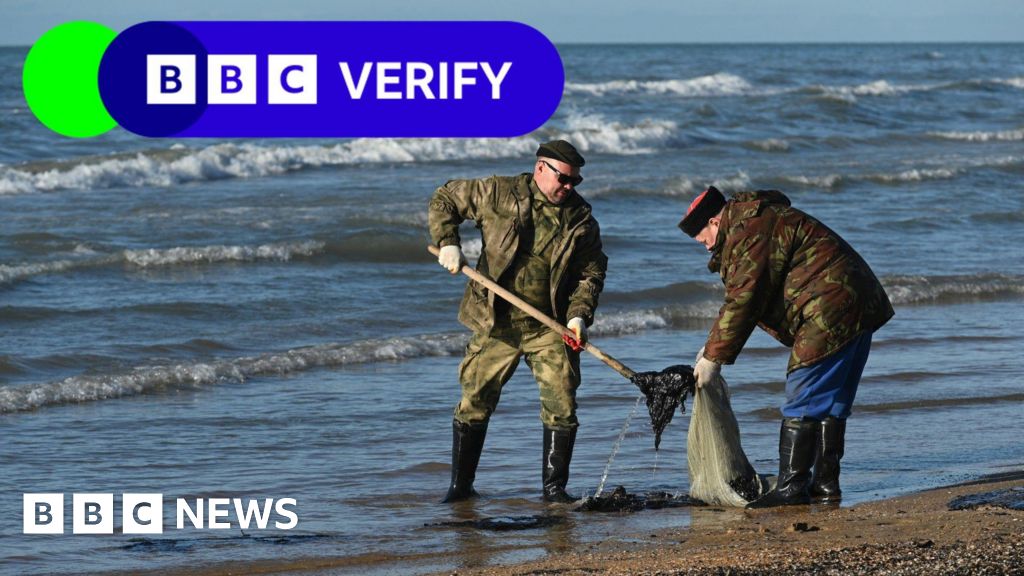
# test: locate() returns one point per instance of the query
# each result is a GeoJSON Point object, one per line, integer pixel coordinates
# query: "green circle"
{"type": "Point", "coordinates": [61, 79]}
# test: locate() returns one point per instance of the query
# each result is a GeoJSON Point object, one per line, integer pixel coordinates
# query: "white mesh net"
{"type": "Point", "coordinates": [720, 473]}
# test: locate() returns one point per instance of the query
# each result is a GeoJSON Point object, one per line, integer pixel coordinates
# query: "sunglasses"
{"type": "Point", "coordinates": [564, 178]}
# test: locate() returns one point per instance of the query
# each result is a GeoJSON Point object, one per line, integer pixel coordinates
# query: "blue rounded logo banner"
{"type": "Point", "coordinates": [331, 79]}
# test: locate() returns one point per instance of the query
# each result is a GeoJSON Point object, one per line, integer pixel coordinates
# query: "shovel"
{"type": "Point", "coordinates": [664, 390]}
{"type": "Point", "coordinates": [541, 317]}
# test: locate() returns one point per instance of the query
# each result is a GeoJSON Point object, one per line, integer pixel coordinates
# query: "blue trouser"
{"type": "Point", "coordinates": [827, 388]}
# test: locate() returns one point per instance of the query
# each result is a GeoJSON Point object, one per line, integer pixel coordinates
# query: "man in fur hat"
{"type": "Point", "coordinates": [798, 280]}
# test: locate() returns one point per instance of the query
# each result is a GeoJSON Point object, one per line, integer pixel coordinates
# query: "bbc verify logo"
{"type": "Point", "coordinates": [43, 513]}
{"type": "Point", "coordinates": [293, 79]}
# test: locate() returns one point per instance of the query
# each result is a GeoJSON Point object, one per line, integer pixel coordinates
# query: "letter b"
{"type": "Point", "coordinates": [92, 514]}
{"type": "Point", "coordinates": [231, 79]}
{"type": "Point", "coordinates": [170, 79]}
{"type": "Point", "coordinates": [43, 513]}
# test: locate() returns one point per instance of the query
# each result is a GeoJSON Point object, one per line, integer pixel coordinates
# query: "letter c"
{"type": "Point", "coordinates": [138, 519]}
{"type": "Point", "coordinates": [284, 79]}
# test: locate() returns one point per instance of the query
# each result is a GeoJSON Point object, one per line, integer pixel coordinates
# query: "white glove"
{"type": "Point", "coordinates": [578, 326]}
{"type": "Point", "coordinates": [706, 371]}
{"type": "Point", "coordinates": [451, 258]}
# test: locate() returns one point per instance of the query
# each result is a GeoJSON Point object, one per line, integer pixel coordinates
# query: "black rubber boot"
{"type": "Point", "coordinates": [831, 443]}
{"type": "Point", "coordinates": [558, 446]}
{"type": "Point", "coordinates": [467, 443]}
{"type": "Point", "coordinates": [797, 439]}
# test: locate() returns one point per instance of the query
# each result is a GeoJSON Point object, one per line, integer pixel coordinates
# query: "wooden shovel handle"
{"type": "Point", "coordinates": [540, 316]}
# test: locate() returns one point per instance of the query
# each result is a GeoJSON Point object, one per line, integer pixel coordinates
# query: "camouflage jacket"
{"type": "Point", "coordinates": [501, 208]}
{"type": "Point", "coordinates": [792, 276]}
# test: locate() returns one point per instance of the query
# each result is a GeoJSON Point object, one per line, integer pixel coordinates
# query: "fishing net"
{"type": "Point", "coordinates": [720, 473]}
{"type": "Point", "coordinates": [719, 470]}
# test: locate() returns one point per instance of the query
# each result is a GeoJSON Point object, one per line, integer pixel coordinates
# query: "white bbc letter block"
{"type": "Point", "coordinates": [170, 79]}
{"type": "Point", "coordinates": [43, 513]}
{"type": "Point", "coordinates": [142, 513]}
{"type": "Point", "coordinates": [92, 514]}
{"type": "Point", "coordinates": [231, 79]}
{"type": "Point", "coordinates": [291, 78]}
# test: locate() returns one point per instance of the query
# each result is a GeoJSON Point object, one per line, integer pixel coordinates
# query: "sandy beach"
{"type": "Point", "coordinates": [912, 534]}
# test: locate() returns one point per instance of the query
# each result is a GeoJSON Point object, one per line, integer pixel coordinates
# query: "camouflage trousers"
{"type": "Point", "coordinates": [491, 359]}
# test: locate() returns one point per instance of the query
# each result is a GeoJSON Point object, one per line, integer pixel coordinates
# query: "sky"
{"type": "Point", "coordinates": [567, 21]}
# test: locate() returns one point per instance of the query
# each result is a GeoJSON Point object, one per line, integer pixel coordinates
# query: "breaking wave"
{"type": "Point", "coordinates": [178, 165]}
{"type": "Point", "coordinates": [192, 375]}
{"type": "Point", "coordinates": [1017, 82]}
{"type": "Point", "coordinates": [155, 257]}
{"type": "Point", "coordinates": [685, 186]}
{"type": "Point", "coordinates": [211, 254]}
{"type": "Point", "coordinates": [155, 379]}
{"type": "Point", "coordinates": [1002, 135]}
{"type": "Point", "coordinates": [915, 175]}
{"type": "Point", "coordinates": [832, 181]}
{"type": "Point", "coordinates": [950, 289]}
{"type": "Point", "coordinates": [920, 404]}
{"type": "Point", "coordinates": [909, 176]}
{"type": "Point", "coordinates": [699, 304]}
{"type": "Point", "coordinates": [877, 88]}
{"type": "Point", "coordinates": [768, 145]}
{"type": "Point", "coordinates": [721, 84]}
{"type": "Point", "coordinates": [726, 84]}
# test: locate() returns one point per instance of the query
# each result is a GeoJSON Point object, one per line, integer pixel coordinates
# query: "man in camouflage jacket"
{"type": "Point", "coordinates": [540, 241]}
{"type": "Point", "coordinates": [798, 280]}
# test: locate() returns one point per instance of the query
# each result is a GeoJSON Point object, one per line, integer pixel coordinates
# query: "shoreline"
{"type": "Point", "coordinates": [915, 533]}
{"type": "Point", "coordinates": [911, 534]}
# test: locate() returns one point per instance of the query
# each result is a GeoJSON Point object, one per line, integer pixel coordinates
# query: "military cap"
{"type": "Point", "coordinates": [562, 151]}
{"type": "Point", "coordinates": [703, 208]}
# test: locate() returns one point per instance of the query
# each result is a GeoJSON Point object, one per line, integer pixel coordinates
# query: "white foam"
{"type": "Point", "coordinates": [1017, 82]}
{"type": "Point", "coordinates": [590, 133]}
{"type": "Point", "coordinates": [22, 271]}
{"type": "Point", "coordinates": [825, 181]}
{"type": "Point", "coordinates": [147, 379]}
{"type": "Point", "coordinates": [628, 322]}
{"type": "Point", "coordinates": [770, 145]}
{"type": "Point", "coordinates": [949, 171]}
{"type": "Point", "coordinates": [876, 88]}
{"type": "Point", "coordinates": [1002, 135]}
{"type": "Point", "coordinates": [84, 250]}
{"type": "Point", "coordinates": [210, 254]}
{"type": "Point", "coordinates": [472, 247]}
{"type": "Point", "coordinates": [924, 289]}
{"type": "Point", "coordinates": [883, 88]}
{"type": "Point", "coordinates": [916, 175]}
{"type": "Point", "coordinates": [150, 257]}
{"type": "Point", "coordinates": [686, 186]}
{"type": "Point", "coordinates": [721, 84]}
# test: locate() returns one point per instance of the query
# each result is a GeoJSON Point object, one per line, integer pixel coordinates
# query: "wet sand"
{"type": "Point", "coordinates": [912, 534]}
